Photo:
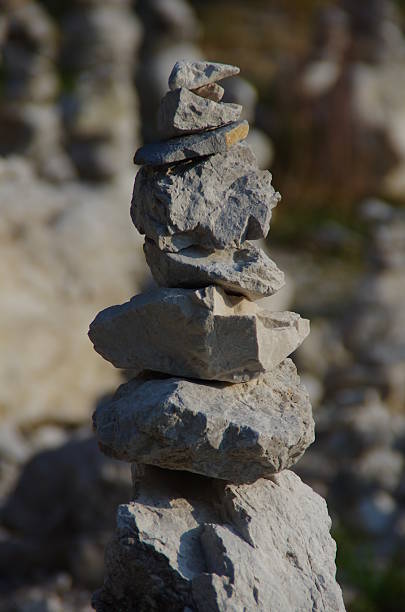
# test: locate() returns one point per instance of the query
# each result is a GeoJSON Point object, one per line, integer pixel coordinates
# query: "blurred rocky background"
{"type": "Point", "coordinates": [323, 87]}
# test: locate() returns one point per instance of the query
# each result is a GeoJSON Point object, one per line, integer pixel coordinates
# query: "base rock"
{"type": "Point", "coordinates": [216, 202]}
{"type": "Point", "coordinates": [192, 543]}
{"type": "Point", "coordinates": [201, 333]}
{"type": "Point", "coordinates": [235, 432]}
{"type": "Point", "coordinates": [246, 271]}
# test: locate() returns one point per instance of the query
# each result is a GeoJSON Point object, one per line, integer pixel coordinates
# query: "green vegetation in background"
{"type": "Point", "coordinates": [377, 590]}
{"type": "Point", "coordinates": [56, 8]}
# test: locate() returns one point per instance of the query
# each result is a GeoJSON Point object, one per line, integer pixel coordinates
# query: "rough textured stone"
{"type": "Point", "coordinates": [212, 91]}
{"type": "Point", "coordinates": [182, 112]}
{"type": "Point", "coordinates": [200, 333]}
{"type": "Point", "coordinates": [193, 543]}
{"type": "Point", "coordinates": [195, 145]}
{"type": "Point", "coordinates": [196, 74]}
{"type": "Point", "coordinates": [217, 202]}
{"type": "Point", "coordinates": [246, 271]}
{"type": "Point", "coordinates": [235, 432]}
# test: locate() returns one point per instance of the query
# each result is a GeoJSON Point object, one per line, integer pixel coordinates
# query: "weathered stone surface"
{"type": "Point", "coordinates": [212, 91]}
{"type": "Point", "coordinates": [246, 271]}
{"type": "Point", "coordinates": [217, 202]}
{"type": "Point", "coordinates": [65, 254]}
{"type": "Point", "coordinates": [196, 74]}
{"type": "Point", "coordinates": [193, 543]}
{"type": "Point", "coordinates": [182, 112]}
{"type": "Point", "coordinates": [195, 145]}
{"type": "Point", "coordinates": [235, 432]}
{"type": "Point", "coordinates": [202, 333]}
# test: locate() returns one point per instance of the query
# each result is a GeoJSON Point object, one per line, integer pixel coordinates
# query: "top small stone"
{"type": "Point", "coordinates": [196, 74]}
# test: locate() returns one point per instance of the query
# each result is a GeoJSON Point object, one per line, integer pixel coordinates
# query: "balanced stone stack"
{"type": "Point", "coordinates": [98, 56]}
{"type": "Point", "coordinates": [30, 124]}
{"type": "Point", "coordinates": [215, 411]}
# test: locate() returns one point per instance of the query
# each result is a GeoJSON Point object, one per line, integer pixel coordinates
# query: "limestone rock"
{"type": "Point", "coordinates": [195, 145]}
{"type": "Point", "coordinates": [196, 74]}
{"type": "Point", "coordinates": [65, 254]}
{"type": "Point", "coordinates": [216, 202]}
{"type": "Point", "coordinates": [182, 112]}
{"type": "Point", "coordinates": [200, 333]}
{"type": "Point", "coordinates": [246, 271]}
{"type": "Point", "coordinates": [193, 543]}
{"type": "Point", "coordinates": [212, 91]}
{"type": "Point", "coordinates": [235, 432]}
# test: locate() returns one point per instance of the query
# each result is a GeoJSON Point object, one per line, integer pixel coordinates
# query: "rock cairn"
{"type": "Point", "coordinates": [30, 124]}
{"type": "Point", "coordinates": [98, 55]}
{"type": "Point", "coordinates": [216, 413]}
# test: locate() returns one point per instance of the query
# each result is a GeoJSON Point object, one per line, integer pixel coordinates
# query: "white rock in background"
{"type": "Point", "coordinates": [65, 253]}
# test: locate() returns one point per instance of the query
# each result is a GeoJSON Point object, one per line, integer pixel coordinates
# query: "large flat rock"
{"type": "Point", "coordinates": [196, 74]}
{"type": "Point", "coordinates": [195, 145]}
{"type": "Point", "coordinates": [235, 432]}
{"type": "Point", "coordinates": [196, 544]}
{"type": "Point", "coordinates": [215, 202]}
{"type": "Point", "coordinates": [183, 112]}
{"type": "Point", "coordinates": [202, 333]}
{"type": "Point", "coordinates": [246, 271]}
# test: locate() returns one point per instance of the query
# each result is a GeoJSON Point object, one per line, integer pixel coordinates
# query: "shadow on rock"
{"type": "Point", "coordinates": [61, 514]}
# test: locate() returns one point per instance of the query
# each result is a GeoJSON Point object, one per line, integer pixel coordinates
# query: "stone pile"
{"type": "Point", "coordinates": [29, 118]}
{"type": "Point", "coordinates": [215, 414]}
{"type": "Point", "coordinates": [98, 57]}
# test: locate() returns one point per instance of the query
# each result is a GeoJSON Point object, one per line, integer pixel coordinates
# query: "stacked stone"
{"type": "Point", "coordinates": [216, 410]}
{"type": "Point", "coordinates": [98, 55]}
{"type": "Point", "coordinates": [29, 118]}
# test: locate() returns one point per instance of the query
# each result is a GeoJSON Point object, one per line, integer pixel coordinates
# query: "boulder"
{"type": "Point", "coordinates": [201, 333]}
{"type": "Point", "coordinates": [234, 432]}
{"type": "Point", "coordinates": [196, 74]}
{"type": "Point", "coordinates": [192, 543]}
{"type": "Point", "coordinates": [246, 271]}
{"type": "Point", "coordinates": [195, 145]}
{"type": "Point", "coordinates": [215, 202]}
{"type": "Point", "coordinates": [182, 112]}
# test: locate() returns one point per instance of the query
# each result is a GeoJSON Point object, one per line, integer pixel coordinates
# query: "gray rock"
{"type": "Point", "coordinates": [246, 271]}
{"type": "Point", "coordinates": [235, 432]}
{"type": "Point", "coordinates": [195, 145]}
{"type": "Point", "coordinates": [193, 543]}
{"type": "Point", "coordinates": [196, 74]}
{"type": "Point", "coordinates": [73, 485]}
{"type": "Point", "coordinates": [212, 91]}
{"type": "Point", "coordinates": [200, 333]}
{"type": "Point", "coordinates": [182, 112]}
{"type": "Point", "coordinates": [216, 202]}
